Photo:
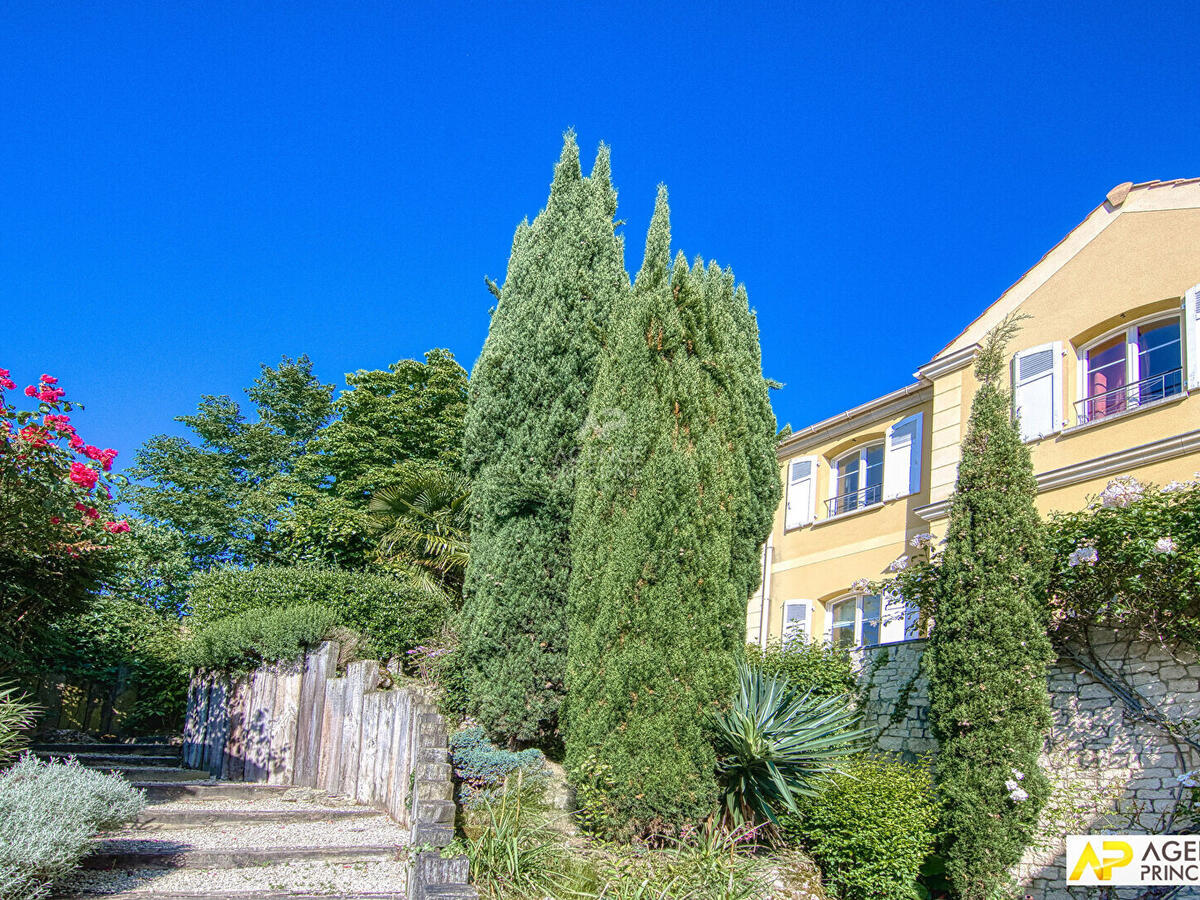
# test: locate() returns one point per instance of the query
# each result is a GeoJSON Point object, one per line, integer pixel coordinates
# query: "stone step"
{"type": "Point", "coordinates": [161, 791]}
{"type": "Point", "coordinates": [199, 816]}
{"type": "Point", "coordinates": [182, 856]}
{"type": "Point", "coordinates": [104, 760]}
{"type": "Point", "coordinates": [109, 749]}
{"type": "Point", "coordinates": [140, 774]}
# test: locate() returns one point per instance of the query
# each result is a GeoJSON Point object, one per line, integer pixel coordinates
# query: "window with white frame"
{"type": "Point", "coordinates": [855, 621]}
{"type": "Point", "coordinates": [1136, 366]}
{"type": "Point", "coordinates": [858, 480]}
{"type": "Point", "coordinates": [797, 617]}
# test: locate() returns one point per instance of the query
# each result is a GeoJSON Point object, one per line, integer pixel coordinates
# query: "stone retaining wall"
{"type": "Point", "coordinates": [1112, 770]}
{"type": "Point", "coordinates": [356, 736]}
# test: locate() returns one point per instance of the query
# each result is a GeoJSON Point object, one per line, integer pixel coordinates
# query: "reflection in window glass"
{"type": "Point", "coordinates": [843, 623]}
{"type": "Point", "coordinates": [872, 615]}
{"type": "Point", "coordinates": [1160, 361]}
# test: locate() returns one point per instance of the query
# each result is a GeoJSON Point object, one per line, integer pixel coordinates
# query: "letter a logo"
{"type": "Point", "coordinates": [1103, 868]}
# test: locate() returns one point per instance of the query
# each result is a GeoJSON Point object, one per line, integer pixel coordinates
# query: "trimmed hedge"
{"type": "Point", "coordinates": [391, 614]}
{"type": "Point", "coordinates": [49, 812]}
{"type": "Point", "coordinates": [807, 665]}
{"type": "Point", "coordinates": [870, 828]}
{"type": "Point", "coordinates": [242, 641]}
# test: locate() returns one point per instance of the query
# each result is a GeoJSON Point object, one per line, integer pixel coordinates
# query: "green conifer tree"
{"type": "Point", "coordinates": [667, 525]}
{"type": "Point", "coordinates": [988, 650]}
{"type": "Point", "coordinates": [526, 405]}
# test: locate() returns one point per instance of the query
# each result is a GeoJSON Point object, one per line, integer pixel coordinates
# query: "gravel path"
{"type": "Point", "coordinates": [314, 877]}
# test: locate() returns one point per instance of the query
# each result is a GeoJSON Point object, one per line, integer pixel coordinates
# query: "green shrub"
{"type": "Point", "coordinates": [49, 812]}
{"type": "Point", "coordinates": [775, 746]}
{"type": "Point", "coordinates": [390, 613]}
{"type": "Point", "coordinates": [870, 828]}
{"type": "Point", "coordinates": [483, 769]}
{"type": "Point", "coordinates": [16, 717]}
{"type": "Point", "coordinates": [813, 666]}
{"type": "Point", "coordinates": [244, 640]}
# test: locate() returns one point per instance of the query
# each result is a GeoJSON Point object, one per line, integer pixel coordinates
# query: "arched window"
{"type": "Point", "coordinates": [855, 621]}
{"type": "Point", "coordinates": [858, 479]}
{"type": "Point", "coordinates": [1136, 366]}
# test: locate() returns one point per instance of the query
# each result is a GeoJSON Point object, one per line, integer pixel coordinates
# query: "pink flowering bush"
{"type": "Point", "coordinates": [53, 486]}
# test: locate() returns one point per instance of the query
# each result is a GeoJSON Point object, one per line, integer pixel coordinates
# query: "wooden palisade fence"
{"type": "Point", "coordinates": [298, 723]}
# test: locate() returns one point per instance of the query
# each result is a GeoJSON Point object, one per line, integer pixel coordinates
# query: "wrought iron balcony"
{"type": "Point", "coordinates": [1129, 396]}
{"type": "Point", "coordinates": [848, 502]}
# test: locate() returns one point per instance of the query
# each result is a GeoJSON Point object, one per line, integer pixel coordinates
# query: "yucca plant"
{"type": "Point", "coordinates": [774, 746]}
{"type": "Point", "coordinates": [17, 716]}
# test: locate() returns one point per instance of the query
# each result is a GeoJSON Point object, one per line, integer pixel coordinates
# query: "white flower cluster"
{"type": "Point", "coordinates": [1174, 487]}
{"type": "Point", "coordinates": [860, 586]}
{"type": "Point", "coordinates": [1121, 492]}
{"type": "Point", "coordinates": [899, 564]}
{"type": "Point", "coordinates": [921, 541]}
{"type": "Point", "coordinates": [1083, 556]}
{"type": "Point", "coordinates": [1165, 545]}
{"type": "Point", "coordinates": [1189, 779]}
{"type": "Point", "coordinates": [1016, 793]}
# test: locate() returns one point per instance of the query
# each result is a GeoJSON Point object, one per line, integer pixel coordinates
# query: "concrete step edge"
{"type": "Point", "coordinates": [201, 816]}
{"type": "Point", "coordinates": [231, 857]}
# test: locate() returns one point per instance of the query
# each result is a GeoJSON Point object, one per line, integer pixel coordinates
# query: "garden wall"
{"type": "Point", "coordinates": [1113, 766]}
{"type": "Point", "coordinates": [357, 736]}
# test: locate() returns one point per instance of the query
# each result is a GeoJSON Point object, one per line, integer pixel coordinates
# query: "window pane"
{"type": "Point", "coordinates": [874, 485]}
{"type": "Point", "coordinates": [1159, 361]}
{"type": "Point", "coordinates": [1106, 378]}
{"type": "Point", "coordinates": [843, 612]}
{"type": "Point", "coordinates": [872, 615]}
{"type": "Point", "coordinates": [848, 483]}
{"type": "Point", "coordinates": [843, 636]}
{"type": "Point", "coordinates": [871, 607]}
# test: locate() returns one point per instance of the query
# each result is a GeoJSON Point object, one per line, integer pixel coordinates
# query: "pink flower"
{"type": "Point", "coordinates": [7, 383]}
{"type": "Point", "coordinates": [76, 442]}
{"type": "Point", "coordinates": [4, 373]}
{"type": "Point", "coordinates": [31, 391]}
{"type": "Point", "coordinates": [55, 520]}
{"type": "Point", "coordinates": [50, 395]}
{"type": "Point", "coordinates": [49, 379]}
{"type": "Point", "coordinates": [116, 527]}
{"type": "Point", "coordinates": [84, 476]}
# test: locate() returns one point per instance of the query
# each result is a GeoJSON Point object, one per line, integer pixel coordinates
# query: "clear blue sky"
{"type": "Point", "coordinates": [192, 189]}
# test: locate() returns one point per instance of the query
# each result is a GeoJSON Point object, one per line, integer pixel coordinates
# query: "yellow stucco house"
{"type": "Point", "coordinates": [1107, 383]}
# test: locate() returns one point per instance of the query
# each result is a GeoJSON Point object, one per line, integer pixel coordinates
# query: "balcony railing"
{"type": "Point", "coordinates": [848, 502]}
{"type": "Point", "coordinates": [1129, 396]}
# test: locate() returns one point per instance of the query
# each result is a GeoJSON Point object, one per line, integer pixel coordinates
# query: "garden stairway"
{"type": "Point", "coordinates": [213, 840]}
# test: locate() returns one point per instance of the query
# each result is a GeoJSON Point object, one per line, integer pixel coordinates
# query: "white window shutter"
{"type": "Point", "coordinates": [1037, 390]}
{"type": "Point", "coordinates": [801, 492]}
{"type": "Point", "coordinates": [894, 626]}
{"type": "Point", "coordinates": [1191, 335]}
{"type": "Point", "coordinates": [902, 458]}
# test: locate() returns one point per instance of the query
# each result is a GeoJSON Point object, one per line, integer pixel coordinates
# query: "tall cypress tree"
{"type": "Point", "coordinates": [988, 650]}
{"type": "Point", "coordinates": [667, 523]}
{"type": "Point", "coordinates": [527, 401]}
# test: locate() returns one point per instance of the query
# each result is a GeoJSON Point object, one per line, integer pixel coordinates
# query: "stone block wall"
{"type": "Point", "coordinates": [1113, 768]}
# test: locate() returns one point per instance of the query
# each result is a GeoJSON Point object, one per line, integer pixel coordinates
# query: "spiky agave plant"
{"type": "Point", "coordinates": [775, 745]}
{"type": "Point", "coordinates": [422, 522]}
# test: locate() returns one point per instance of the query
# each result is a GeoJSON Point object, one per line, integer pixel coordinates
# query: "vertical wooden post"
{"type": "Point", "coordinates": [330, 775]}
{"type": "Point", "coordinates": [284, 722]}
{"type": "Point", "coordinates": [233, 759]}
{"type": "Point", "coordinates": [319, 666]}
{"type": "Point", "coordinates": [361, 677]}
